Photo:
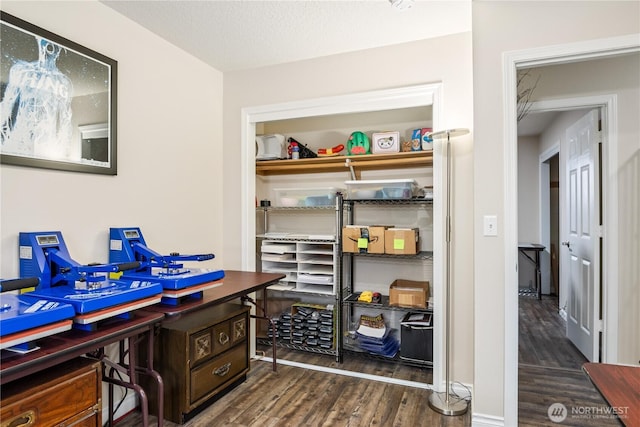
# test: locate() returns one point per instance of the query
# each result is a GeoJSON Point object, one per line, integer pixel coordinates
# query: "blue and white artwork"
{"type": "Point", "coordinates": [57, 101]}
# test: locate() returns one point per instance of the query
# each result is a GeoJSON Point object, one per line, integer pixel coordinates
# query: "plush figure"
{"type": "Point", "coordinates": [358, 143]}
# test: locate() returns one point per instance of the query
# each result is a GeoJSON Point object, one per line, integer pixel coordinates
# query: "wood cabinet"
{"type": "Point", "coordinates": [68, 394]}
{"type": "Point", "coordinates": [200, 355]}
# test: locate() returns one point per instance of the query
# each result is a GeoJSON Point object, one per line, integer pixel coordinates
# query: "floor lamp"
{"type": "Point", "coordinates": [442, 402]}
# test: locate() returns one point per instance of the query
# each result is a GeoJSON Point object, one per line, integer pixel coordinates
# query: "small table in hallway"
{"type": "Point", "coordinates": [536, 249]}
{"type": "Point", "coordinates": [619, 385]}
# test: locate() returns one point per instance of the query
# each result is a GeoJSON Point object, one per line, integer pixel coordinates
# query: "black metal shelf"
{"type": "Point", "coordinates": [424, 255]}
{"type": "Point", "coordinates": [296, 208]}
{"type": "Point", "coordinates": [395, 359]}
{"type": "Point", "coordinates": [383, 305]}
{"type": "Point", "coordinates": [413, 201]}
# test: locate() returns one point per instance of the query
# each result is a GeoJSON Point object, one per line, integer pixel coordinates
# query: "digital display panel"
{"type": "Point", "coordinates": [131, 234]}
{"type": "Point", "coordinates": [47, 240]}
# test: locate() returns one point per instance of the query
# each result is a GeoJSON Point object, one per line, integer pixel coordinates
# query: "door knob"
{"type": "Point", "coordinates": [567, 244]}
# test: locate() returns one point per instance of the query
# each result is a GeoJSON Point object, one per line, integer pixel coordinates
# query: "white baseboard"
{"type": "Point", "coordinates": [130, 403]}
{"type": "Point", "coordinates": [483, 420]}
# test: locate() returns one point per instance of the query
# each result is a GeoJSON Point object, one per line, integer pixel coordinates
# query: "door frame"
{"type": "Point", "coordinates": [535, 57]}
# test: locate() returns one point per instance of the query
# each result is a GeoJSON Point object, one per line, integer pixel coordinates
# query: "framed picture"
{"type": "Point", "coordinates": [58, 103]}
{"type": "Point", "coordinates": [385, 142]}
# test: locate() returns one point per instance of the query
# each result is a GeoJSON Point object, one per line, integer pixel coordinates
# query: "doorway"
{"type": "Point", "coordinates": [547, 216]}
{"type": "Point", "coordinates": [545, 351]}
{"type": "Point", "coordinates": [606, 48]}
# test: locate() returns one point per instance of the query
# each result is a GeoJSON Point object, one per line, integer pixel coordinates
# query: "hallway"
{"type": "Point", "coordinates": [549, 370]}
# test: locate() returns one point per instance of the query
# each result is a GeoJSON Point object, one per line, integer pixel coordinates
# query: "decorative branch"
{"type": "Point", "coordinates": [524, 94]}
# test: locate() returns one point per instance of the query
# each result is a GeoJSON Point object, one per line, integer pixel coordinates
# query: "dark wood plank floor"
{"type": "Point", "coordinates": [550, 370]}
{"type": "Point", "coordinates": [295, 396]}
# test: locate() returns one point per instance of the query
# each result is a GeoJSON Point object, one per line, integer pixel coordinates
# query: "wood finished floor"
{"type": "Point", "coordinates": [294, 396]}
{"type": "Point", "coordinates": [549, 369]}
{"type": "Point", "coordinates": [549, 372]}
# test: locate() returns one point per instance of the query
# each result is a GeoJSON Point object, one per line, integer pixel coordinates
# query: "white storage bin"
{"type": "Point", "coordinates": [290, 197]}
{"type": "Point", "coordinates": [381, 189]}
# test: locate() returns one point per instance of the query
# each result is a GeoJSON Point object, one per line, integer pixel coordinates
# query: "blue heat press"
{"type": "Point", "coordinates": [128, 245]}
{"type": "Point", "coordinates": [23, 320]}
{"type": "Point", "coordinates": [87, 288]}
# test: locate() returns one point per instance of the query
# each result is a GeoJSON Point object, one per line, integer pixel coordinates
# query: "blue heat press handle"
{"type": "Point", "coordinates": [174, 256]}
{"type": "Point", "coordinates": [106, 268]}
{"type": "Point", "coordinates": [15, 284]}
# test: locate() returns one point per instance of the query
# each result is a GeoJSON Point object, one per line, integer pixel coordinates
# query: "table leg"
{"type": "Point", "coordinates": [538, 276]}
{"type": "Point", "coordinates": [148, 369]}
{"type": "Point", "coordinates": [250, 300]}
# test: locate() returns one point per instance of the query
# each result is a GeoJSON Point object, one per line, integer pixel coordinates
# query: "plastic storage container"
{"type": "Point", "coordinates": [382, 189]}
{"type": "Point", "coordinates": [290, 197]}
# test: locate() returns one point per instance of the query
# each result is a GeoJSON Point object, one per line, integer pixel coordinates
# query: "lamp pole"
{"type": "Point", "coordinates": [442, 402]}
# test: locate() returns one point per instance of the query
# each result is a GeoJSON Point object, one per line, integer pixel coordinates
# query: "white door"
{"type": "Point", "coordinates": [581, 245]}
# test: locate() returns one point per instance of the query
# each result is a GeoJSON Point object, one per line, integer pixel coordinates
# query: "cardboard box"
{"type": "Point", "coordinates": [401, 241]}
{"type": "Point", "coordinates": [409, 293]}
{"type": "Point", "coordinates": [363, 238]}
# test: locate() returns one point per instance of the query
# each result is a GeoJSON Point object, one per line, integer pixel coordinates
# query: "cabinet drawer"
{"type": "Point", "coordinates": [217, 339]}
{"type": "Point", "coordinates": [200, 345]}
{"type": "Point", "coordinates": [68, 394]}
{"type": "Point", "coordinates": [218, 371]}
{"type": "Point", "coordinates": [238, 328]}
{"type": "Point", "coordinates": [222, 337]}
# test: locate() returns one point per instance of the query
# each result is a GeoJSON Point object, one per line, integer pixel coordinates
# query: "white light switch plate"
{"type": "Point", "coordinates": [490, 225]}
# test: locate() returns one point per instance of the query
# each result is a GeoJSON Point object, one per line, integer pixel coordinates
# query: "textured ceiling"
{"type": "Point", "coordinates": [235, 35]}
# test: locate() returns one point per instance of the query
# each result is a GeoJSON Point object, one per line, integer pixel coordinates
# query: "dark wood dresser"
{"type": "Point", "coordinates": [67, 394]}
{"type": "Point", "coordinates": [200, 355]}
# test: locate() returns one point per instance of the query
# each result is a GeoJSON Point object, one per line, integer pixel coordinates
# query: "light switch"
{"type": "Point", "coordinates": [490, 225]}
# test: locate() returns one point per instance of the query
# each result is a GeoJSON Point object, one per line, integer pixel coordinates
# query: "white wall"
{"type": "Point", "coordinates": [169, 138]}
{"type": "Point", "coordinates": [528, 205]}
{"type": "Point", "coordinates": [499, 27]}
{"type": "Point", "coordinates": [169, 178]}
{"type": "Point", "coordinates": [446, 60]}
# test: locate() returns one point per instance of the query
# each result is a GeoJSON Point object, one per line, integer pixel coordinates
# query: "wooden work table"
{"type": "Point", "coordinates": [235, 284]}
{"type": "Point", "coordinates": [56, 349]}
{"type": "Point", "coordinates": [59, 348]}
{"type": "Point", "coordinates": [619, 385]}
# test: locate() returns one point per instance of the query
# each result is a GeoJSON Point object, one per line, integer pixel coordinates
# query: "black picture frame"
{"type": "Point", "coordinates": [58, 106]}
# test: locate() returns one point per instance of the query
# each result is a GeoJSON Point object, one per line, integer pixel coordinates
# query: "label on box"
{"type": "Point", "coordinates": [398, 244]}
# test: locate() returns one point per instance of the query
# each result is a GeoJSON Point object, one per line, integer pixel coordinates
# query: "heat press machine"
{"type": "Point", "coordinates": [24, 320]}
{"type": "Point", "coordinates": [179, 283]}
{"type": "Point", "coordinates": [87, 288]}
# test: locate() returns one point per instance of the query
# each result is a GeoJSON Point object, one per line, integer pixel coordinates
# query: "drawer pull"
{"type": "Point", "coordinates": [22, 420]}
{"type": "Point", "coordinates": [222, 370]}
{"type": "Point", "coordinates": [223, 338]}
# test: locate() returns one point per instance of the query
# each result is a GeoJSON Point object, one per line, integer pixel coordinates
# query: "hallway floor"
{"type": "Point", "coordinates": [550, 370]}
